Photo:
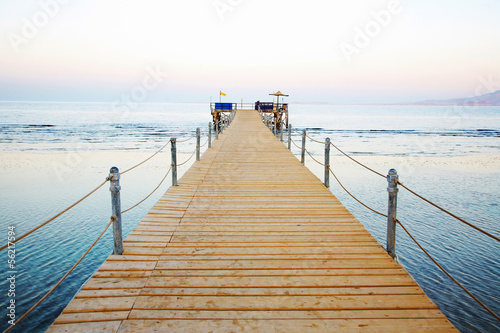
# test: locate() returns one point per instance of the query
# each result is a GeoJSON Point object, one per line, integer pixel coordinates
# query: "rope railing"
{"type": "Point", "coordinates": [55, 216]}
{"type": "Point", "coordinates": [361, 164]}
{"type": "Point", "coordinates": [190, 157]}
{"type": "Point", "coordinates": [366, 206]}
{"type": "Point", "coordinates": [295, 144]}
{"type": "Point", "coordinates": [405, 187]}
{"type": "Point", "coordinates": [313, 139]}
{"type": "Point", "coordinates": [315, 160]}
{"type": "Point", "coordinates": [157, 187]}
{"type": "Point", "coordinates": [186, 140]}
{"type": "Point", "coordinates": [203, 145]}
{"type": "Point", "coordinates": [448, 274]}
{"type": "Point", "coordinates": [147, 159]}
{"type": "Point", "coordinates": [451, 214]}
{"type": "Point", "coordinates": [343, 153]}
{"type": "Point", "coordinates": [60, 280]}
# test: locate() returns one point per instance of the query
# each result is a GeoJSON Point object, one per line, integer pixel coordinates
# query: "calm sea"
{"type": "Point", "coordinates": [448, 154]}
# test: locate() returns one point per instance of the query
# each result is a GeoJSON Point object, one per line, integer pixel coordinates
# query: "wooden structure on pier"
{"type": "Point", "coordinates": [250, 241]}
{"type": "Point", "coordinates": [278, 111]}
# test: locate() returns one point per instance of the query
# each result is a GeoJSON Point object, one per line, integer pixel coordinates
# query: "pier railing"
{"type": "Point", "coordinates": [115, 189]}
{"type": "Point", "coordinates": [393, 184]}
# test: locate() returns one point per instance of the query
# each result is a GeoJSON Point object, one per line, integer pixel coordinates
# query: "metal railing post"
{"type": "Point", "coordinates": [392, 188]}
{"type": "Point", "coordinates": [209, 135]}
{"type": "Point", "coordinates": [289, 136]}
{"type": "Point", "coordinates": [116, 211]}
{"type": "Point", "coordinates": [198, 144]}
{"type": "Point", "coordinates": [275, 128]}
{"type": "Point", "coordinates": [327, 162]}
{"type": "Point", "coordinates": [216, 130]}
{"type": "Point", "coordinates": [174, 161]}
{"type": "Point", "coordinates": [303, 152]}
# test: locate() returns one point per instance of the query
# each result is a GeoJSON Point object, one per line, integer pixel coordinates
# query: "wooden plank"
{"type": "Point", "coordinates": [277, 264]}
{"type": "Point", "coordinates": [68, 318]}
{"type": "Point", "coordinates": [100, 304]}
{"type": "Point", "coordinates": [285, 326]}
{"type": "Point", "coordinates": [281, 281]}
{"type": "Point", "coordinates": [281, 291]}
{"type": "Point", "coordinates": [98, 326]}
{"type": "Point", "coordinates": [263, 303]}
{"type": "Point", "coordinates": [281, 272]}
{"type": "Point", "coordinates": [276, 315]}
{"type": "Point", "coordinates": [115, 283]}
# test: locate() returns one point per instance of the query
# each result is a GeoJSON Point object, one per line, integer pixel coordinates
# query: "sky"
{"type": "Point", "coordinates": [341, 52]}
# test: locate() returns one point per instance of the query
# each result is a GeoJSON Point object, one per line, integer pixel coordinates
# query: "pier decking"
{"type": "Point", "coordinates": [250, 241]}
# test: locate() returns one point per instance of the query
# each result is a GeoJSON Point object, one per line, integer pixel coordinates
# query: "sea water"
{"type": "Point", "coordinates": [57, 152]}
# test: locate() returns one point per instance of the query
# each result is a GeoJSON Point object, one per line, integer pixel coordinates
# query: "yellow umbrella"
{"type": "Point", "coordinates": [278, 94]}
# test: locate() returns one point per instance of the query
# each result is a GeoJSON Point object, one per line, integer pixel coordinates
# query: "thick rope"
{"type": "Point", "coordinates": [295, 144]}
{"type": "Point", "coordinates": [448, 274]}
{"type": "Point", "coordinates": [147, 159]}
{"type": "Point", "coordinates": [61, 280]}
{"type": "Point", "coordinates": [451, 214]}
{"type": "Point", "coordinates": [190, 157]}
{"type": "Point", "coordinates": [203, 145]}
{"type": "Point", "coordinates": [186, 140]}
{"type": "Point", "coordinates": [364, 166]}
{"type": "Point", "coordinates": [373, 210]}
{"type": "Point", "coordinates": [55, 216]}
{"type": "Point", "coordinates": [313, 139]}
{"type": "Point", "coordinates": [137, 204]}
{"type": "Point", "coordinates": [315, 160]}
{"type": "Point", "coordinates": [334, 146]}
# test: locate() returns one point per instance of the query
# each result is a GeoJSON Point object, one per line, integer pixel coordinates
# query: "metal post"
{"type": "Point", "coordinates": [209, 135]}
{"type": "Point", "coordinates": [303, 153]}
{"type": "Point", "coordinates": [198, 144]}
{"type": "Point", "coordinates": [392, 188]}
{"type": "Point", "coordinates": [327, 162]}
{"type": "Point", "coordinates": [289, 136]}
{"type": "Point", "coordinates": [174, 161]}
{"type": "Point", "coordinates": [274, 127]}
{"type": "Point", "coordinates": [216, 130]}
{"type": "Point", "coordinates": [116, 211]}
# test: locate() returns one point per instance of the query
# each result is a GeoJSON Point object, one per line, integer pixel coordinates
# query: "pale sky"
{"type": "Point", "coordinates": [317, 51]}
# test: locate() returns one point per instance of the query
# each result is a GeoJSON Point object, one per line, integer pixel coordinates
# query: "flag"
{"type": "Point", "coordinates": [221, 93]}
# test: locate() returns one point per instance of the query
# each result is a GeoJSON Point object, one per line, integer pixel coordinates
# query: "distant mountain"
{"type": "Point", "coordinates": [492, 99]}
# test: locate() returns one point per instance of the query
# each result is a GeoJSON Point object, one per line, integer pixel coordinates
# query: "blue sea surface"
{"type": "Point", "coordinates": [431, 146]}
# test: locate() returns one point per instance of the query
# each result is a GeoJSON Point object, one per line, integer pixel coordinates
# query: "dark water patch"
{"type": "Point", "coordinates": [362, 153]}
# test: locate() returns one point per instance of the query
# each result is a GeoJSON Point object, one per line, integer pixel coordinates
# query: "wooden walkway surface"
{"type": "Point", "coordinates": [250, 241]}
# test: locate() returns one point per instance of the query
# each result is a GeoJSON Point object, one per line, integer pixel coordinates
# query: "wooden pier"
{"type": "Point", "coordinates": [250, 241]}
